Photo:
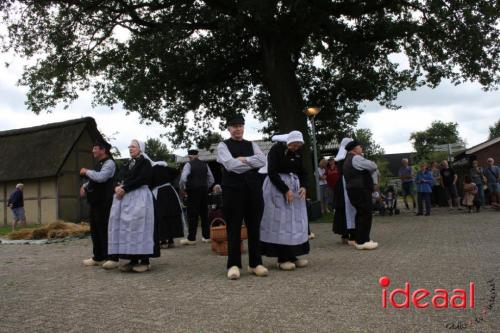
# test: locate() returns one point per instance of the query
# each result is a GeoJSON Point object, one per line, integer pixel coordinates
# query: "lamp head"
{"type": "Point", "coordinates": [312, 111]}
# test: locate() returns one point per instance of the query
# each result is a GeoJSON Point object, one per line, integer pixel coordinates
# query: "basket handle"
{"type": "Point", "coordinates": [217, 222]}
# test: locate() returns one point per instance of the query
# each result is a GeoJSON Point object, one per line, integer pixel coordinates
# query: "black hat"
{"type": "Point", "coordinates": [192, 152]}
{"type": "Point", "coordinates": [350, 146]}
{"type": "Point", "coordinates": [103, 145]}
{"type": "Point", "coordinates": [236, 120]}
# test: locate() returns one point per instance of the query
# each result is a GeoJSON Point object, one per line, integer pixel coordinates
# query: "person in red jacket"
{"type": "Point", "coordinates": [332, 177]}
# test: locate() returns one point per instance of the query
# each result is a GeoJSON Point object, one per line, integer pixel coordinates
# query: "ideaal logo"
{"type": "Point", "coordinates": [482, 315]}
{"type": "Point", "coordinates": [421, 298]}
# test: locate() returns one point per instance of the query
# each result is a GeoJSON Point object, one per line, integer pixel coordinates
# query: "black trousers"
{"type": "Point", "coordinates": [197, 207]}
{"type": "Point", "coordinates": [238, 205]}
{"type": "Point", "coordinates": [99, 217]}
{"type": "Point", "coordinates": [437, 197]}
{"type": "Point", "coordinates": [424, 198]}
{"type": "Point", "coordinates": [361, 199]}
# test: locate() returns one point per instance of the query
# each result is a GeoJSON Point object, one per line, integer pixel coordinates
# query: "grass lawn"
{"type": "Point", "coordinates": [5, 230]}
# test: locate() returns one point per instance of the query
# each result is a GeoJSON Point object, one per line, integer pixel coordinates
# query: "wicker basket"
{"type": "Point", "coordinates": [221, 247]}
{"type": "Point", "coordinates": [218, 231]}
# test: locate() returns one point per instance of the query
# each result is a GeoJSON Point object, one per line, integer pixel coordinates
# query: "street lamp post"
{"type": "Point", "coordinates": [311, 113]}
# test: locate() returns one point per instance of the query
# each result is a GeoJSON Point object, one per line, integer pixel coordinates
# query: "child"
{"type": "Point", "coordinates": [424, 182]}
{"type": "Point", "coordinates": [378, 202]}
{"type": "Point", "coordinates": [390, 199]}
{"type": "Point", "coordinates": [470, 194]}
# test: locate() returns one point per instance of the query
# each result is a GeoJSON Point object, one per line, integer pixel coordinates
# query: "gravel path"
{"type": "Point", "coordinates": [44, 288]}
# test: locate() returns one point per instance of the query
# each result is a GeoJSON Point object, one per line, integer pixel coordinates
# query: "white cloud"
{"type": "Point", "coordinates": [392, 128]}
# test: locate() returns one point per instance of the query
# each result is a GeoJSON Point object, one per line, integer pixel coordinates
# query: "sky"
{"type": "Point", "coordinates": [468, 105]}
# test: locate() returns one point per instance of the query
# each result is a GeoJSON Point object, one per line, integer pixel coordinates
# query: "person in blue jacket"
{"type": "Point", "coordinates": [16, 203]}
{"type": "Point", "coordinates": [424, 182]}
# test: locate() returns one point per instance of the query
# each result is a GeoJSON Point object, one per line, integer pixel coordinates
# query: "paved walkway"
{"type": "Point", "coordinates": [44, 288]}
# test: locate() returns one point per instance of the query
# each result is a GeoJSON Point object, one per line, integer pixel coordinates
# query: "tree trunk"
{"type": "Point", "coordinates": [286, 99]}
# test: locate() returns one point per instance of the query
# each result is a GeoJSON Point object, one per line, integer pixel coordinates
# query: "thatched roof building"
{"type": "Point", "coordinates": [47, 159]}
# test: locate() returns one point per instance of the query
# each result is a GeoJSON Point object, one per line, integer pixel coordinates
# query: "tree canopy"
{"type": "Point", "coordinates": [371, 149]}
{"type": "Point", "coordinates": [495, 130]}
{"type": "Point", "coordinates": [189, 62]}
{"type": "Point", "coordinates": [207, 140]}
{"type": "Point", "coordinates": [438, 133]}
{"type": "Point", "coordinates": [158, 151]}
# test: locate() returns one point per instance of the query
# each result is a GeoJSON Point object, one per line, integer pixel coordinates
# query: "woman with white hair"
{"type": "Point", "coordinates": [284, 225]}
{"type": "Point", "coordinates": [131, 221]}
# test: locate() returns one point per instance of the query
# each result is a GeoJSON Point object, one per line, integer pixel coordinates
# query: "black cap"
{"type": "Point", "coordinates": [192, 152]}
{"type": "Point", "coordinates": [103, 145]}
{"type": "Point", "coordinates": [351, 145]}
{"type": "Point", "coordinates": [236, 120]}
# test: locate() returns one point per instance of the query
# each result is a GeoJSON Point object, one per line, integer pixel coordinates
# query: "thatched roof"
{"type": "Point", "coordinates": [40, 151]}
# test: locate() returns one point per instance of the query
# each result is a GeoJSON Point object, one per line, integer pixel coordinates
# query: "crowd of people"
{"type": "Point", "coordinates": [438, 185]}
{"type": "Point", "coordinates": [135, 210]}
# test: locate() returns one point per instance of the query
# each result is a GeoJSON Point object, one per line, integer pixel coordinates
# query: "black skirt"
{"type": "Point", "coordinates": [168, 214]}
{"type": "Point", "coordinates": [339, 216]}
{"type": "Point", "coordinates": [284, 251]}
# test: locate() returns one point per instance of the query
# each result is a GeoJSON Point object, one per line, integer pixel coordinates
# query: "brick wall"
{"type": "Point", "coordinates": [491, 151]}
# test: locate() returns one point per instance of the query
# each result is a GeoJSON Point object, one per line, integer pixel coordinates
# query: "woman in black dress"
{"type": "Point", "coordinates": [344, 212]}
{"type": "Point", "coordinates": [168, 210]}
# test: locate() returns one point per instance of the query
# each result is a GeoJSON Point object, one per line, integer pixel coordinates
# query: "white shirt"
{"type": "Point", "coordinates": [360, 163]}
{"type": "Point", "coordinates": [186, 171]}
{"type": "Point", "coordinates": [256, 161]}
{"type": "Point", "coordinates": [321, 173]}
{"type": "Point", "coordinates": [107, 171]}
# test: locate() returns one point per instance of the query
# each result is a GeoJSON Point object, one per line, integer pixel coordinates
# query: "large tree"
{"type": "Point", "coordinates": [268, 57]}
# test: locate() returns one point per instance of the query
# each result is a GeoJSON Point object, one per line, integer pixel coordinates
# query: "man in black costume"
{"type": "Point", "coordinates": [196, 179]}
{"type": "Point", "coordinates": [99, 190]}
{"type": "Point", "coordinates": [242, 196]}
{"type": "Point", "coordinates": [361, 175]}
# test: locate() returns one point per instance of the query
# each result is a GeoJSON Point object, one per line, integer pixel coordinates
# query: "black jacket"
{"type": "Point", "coordinates": [133, 178]}
{"type": "Point", "coordinates": [282, 160]}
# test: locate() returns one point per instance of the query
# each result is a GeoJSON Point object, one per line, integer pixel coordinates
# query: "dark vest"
{"type": "Point", "coordinates": [354, 178]}
{"type": "Point", "coordinates": [250, 178]}
{"type": "Point", "coordinates": [101, 192]}
{"type": "Point", "coordinates": [197, 178]}
{"type": "Point", "coordinates": [16, 199]}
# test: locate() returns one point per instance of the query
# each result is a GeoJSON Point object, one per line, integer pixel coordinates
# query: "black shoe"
{"type": "Point", "coordinates": [419, 214]}
{"type": "Point", "coordinates": [427, 214]}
